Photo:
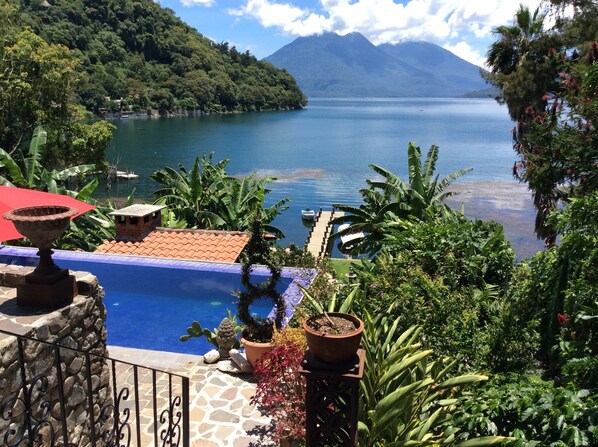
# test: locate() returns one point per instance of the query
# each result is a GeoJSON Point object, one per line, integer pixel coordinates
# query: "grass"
{"type": "Point", "coordinates": [341, 266]}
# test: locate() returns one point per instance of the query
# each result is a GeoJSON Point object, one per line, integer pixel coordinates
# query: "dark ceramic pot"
{"type": "Point", "coordinates": [334, 348]}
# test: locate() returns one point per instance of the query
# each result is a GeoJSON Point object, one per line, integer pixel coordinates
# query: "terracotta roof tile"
{"type": "Point", "coordinates": [199, 245]}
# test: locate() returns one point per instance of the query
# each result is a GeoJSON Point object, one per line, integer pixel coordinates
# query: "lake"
{"type": "Point", "coordinates": [321, 154]}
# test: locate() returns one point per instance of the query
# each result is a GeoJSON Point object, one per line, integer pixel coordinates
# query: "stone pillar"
{"type": "Point", "coordinates": [48, 389]}
{"type": "Point", "coordinates": [332, 401]}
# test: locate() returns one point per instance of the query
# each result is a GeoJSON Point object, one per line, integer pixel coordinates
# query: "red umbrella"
{"type": "Point", "coordinates": [12, 198]}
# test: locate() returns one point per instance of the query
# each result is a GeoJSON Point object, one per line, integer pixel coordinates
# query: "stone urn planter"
{"type": "Point", "coordinates": [48, 285]}
{"type": "Point", "coordinates": [333, 337]}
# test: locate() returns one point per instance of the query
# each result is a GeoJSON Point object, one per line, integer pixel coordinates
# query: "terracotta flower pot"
{"type": "Point", "coordinates": [254, 350]}
{"type": "Point", "coordinates": [330, 348]}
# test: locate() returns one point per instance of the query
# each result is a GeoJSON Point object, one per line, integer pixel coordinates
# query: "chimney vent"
{"type": "Point", "coordinates": [135, 222]}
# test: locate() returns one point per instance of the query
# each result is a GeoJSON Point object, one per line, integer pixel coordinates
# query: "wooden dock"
{"type": "Point", "coordinates": [318, 238]}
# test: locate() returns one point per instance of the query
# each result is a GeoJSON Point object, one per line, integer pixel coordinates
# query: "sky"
{"type": "Point", "coordinates": [264, 26]}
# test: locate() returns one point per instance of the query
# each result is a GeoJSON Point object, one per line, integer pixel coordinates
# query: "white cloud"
{"type": "Point", "coordinates": [269, 14]}
{"type": "Point", "coordinates": [467, 52]}
{"type": "Point", "coordinates": [190, 3]}
{"type": "Point", "coordinates": [462, 26]}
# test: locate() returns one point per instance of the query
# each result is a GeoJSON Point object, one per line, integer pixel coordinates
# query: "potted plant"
{"type": "Point", "coordinates": [333, 337]}
{"type": "Point", "coordinates": [258, 331]}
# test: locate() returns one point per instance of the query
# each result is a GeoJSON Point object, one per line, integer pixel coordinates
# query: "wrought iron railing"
{"type": "Point", "coordinates": [55, 395]}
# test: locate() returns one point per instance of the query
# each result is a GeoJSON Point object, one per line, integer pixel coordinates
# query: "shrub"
{"type": "Point", "coordinates": [280, 391]}
{"type": "Point", "coordinates": [455, 321]}
{"type": "Point", "coordinates": [562, 281]}
{"type": "Point", "coordinates": [535, 412]}
{"type": "Point", "coordinates": [463, 252]}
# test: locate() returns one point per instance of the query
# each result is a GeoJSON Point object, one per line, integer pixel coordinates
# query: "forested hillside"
{"type": "Point", "coordinates": [144, 54]}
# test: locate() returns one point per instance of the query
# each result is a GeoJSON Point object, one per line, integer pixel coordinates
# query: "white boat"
{"type": "Point", "coordinates": [308, 214]}
{"type": "Point", "coordinates": [126, 175]}
{"type": "Point", "coordinates": [347, 238]}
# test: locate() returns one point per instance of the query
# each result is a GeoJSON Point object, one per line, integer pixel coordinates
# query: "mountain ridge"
{"type": "Point", "coordinates": [342, 66]}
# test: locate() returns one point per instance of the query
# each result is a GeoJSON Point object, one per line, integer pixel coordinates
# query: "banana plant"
{"type": "Point", "coordinates": [27, 171]}
{"type": "Point", "coordinates": [388, 201]}
{"type": "Point", "coordinates": [406, 393]}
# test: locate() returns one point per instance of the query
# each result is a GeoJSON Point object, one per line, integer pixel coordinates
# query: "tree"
{"type": "Point", "coordinates": [521, 68]}
{"type": "Point", "coordinates": [36, 82]}
{"type": "Point", "coordinates": [127, 41]}
{"type": "Point", "coordinates": [546, 81]}
{"type": "Point", "coordinates": [243, 202]}
{"type": "Point", "coordinates": [387, 202]}
{"type": "Point", "coordinates": [189, 194]}
{"type": "Point", "coordinates": [519, 64]}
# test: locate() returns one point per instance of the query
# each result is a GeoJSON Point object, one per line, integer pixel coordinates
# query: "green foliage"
{"type": "Point", "coordinates": [448, 276]}
{"type": "Point", "coordinates": [563, 282]}
{"type": "Point", "coordinates": [91, 229]}
{"type": "Point", "coordinates": [334, 302]}
{"type": "Point", "coordinates": [463, 252]}
{"type": "Point", "coordinates": [454, 321]}
{"type": "Point", "coordinates": [206, 197]}
{"type": "Point", "coordinates": [142, 53]}
{"type": "Point", "coordinates": [533, 411]}
{"type": "Point", "coordinates": [407, 396]}
{"type": "Point", "coordinates": [386, 203]}
{"type": "Point", "coordinates": [548, 81]}
{"type": "Point", "coordinates": [196, 331]}
{"type": "Point", "coordinates": [37, 80]}
{"type": "Point", "coordinates": [36, 85]}
{"type": "Point", "coordinates": [518, 62]}
{"type": "Point", "coordinates": [27, 170]}
{"type": "Point", "coordinates": [293, 256]}
{"type": "Point", "coordinates": [514, 332]}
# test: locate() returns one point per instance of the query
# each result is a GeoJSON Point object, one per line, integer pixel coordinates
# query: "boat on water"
{"type": "Point", "coordinates": [308, 214]}
{"type": "Point", "coordinates": [348, 238]}
{"type": "Point", "coordinates": [126, 175]}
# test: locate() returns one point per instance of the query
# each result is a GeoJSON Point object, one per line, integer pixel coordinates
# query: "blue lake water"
{"type": "Point", "coordinates": [321, 154]}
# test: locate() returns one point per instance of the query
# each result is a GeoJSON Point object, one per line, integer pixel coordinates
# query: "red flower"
{"type": "Point", "coordinates": [563, 318]}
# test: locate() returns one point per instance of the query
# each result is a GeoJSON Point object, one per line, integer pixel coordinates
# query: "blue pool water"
{"type": "Point", "coordinates": [150, 302]}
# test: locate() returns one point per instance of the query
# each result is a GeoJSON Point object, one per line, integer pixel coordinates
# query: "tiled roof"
{"type": "Point", "coordinates": [199, 245]}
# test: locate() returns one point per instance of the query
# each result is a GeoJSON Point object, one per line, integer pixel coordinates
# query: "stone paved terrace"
{"type": "Point", "coordinates": [220, 412]}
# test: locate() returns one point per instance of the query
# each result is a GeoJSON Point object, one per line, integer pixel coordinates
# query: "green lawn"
{"type": "Point", "coordinates": [341, 266]}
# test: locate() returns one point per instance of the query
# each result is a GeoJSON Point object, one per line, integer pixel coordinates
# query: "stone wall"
{"type": "Point", "coordinates": [79, 326]}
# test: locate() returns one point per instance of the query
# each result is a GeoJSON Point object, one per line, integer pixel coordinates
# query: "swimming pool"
{"type": "Point", "coordinates": [150, 302]}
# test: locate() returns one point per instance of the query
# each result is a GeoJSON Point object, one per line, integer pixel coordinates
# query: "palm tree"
{"type": "Point", "coordinates": [524, 72]}
{"type": "Point", "coordinates": [518, 62]}
{"type": "Point", "coordinates": [387, 203]}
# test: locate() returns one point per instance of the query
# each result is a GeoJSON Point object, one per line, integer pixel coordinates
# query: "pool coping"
{"type": "Point", "coordinates": [301, 277]}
